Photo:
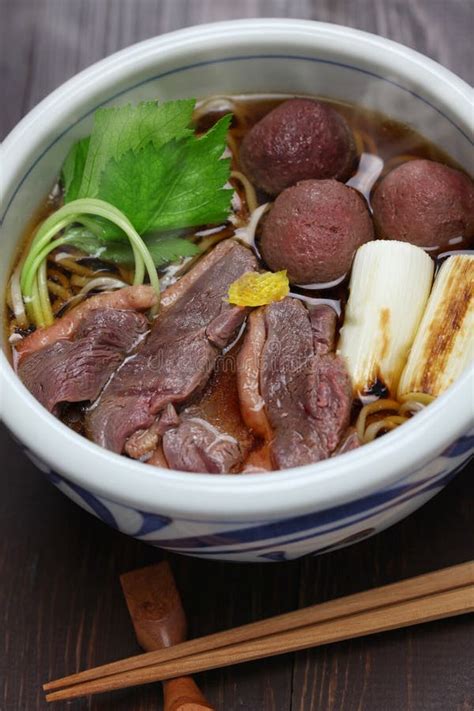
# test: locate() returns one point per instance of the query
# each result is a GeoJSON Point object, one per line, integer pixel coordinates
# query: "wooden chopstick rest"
{"type": "Point", "coordinates": [158, 617]}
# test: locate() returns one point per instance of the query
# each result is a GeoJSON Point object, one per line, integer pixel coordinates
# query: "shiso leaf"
{"type": "Point", "coordinates": [73, 169]}
{"type": "Point", "coordinates": [126, 128]}
{"type": "Point", "coordinates": [170, 249]}
{"type": "Point", "coordinates": [179, 184]}
{"type": "Point", "coordinates": [163, 248]}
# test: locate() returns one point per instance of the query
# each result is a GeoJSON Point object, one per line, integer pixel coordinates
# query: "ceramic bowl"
{"type": "Point", "coordinates": [269, 516]}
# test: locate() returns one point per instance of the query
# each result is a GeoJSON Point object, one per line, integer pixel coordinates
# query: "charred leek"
{"type": "Point", "coordinates": [444, 345]}
{"type": "Point", "coordinates": [389, 288]}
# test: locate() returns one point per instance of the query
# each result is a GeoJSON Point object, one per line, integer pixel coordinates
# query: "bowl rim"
{"type": "Point", "coordinates": [267, 496]}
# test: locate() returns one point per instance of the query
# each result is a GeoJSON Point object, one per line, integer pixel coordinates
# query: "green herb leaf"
{"type": "Point", "coordinates": [176, 185]}
{"type": "Point", "coordinates": [73, 169]}
{"type": "Point", "coordinates": [170, 249]}
{"type": "Point", "coordinates": [127, 128]}
{"type": "Point", "coordinates": [163, 249]}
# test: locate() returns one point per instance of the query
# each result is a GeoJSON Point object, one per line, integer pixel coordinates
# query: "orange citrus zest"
{"type": "Point", "coordinates": [254, 289]}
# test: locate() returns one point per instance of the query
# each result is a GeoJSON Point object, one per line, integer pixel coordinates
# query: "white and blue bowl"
{"type": "Point", "coordinates": [264, 516]}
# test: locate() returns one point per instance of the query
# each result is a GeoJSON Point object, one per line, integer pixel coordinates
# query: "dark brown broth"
{"type": "Point", "coordinates": [383, 143]}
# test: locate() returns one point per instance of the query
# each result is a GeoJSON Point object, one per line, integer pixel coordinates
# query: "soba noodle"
{"type": "Point", "coordinates": [403, 409]}
{"type": "Point", "coordinates": [219, 104]}
{"type": "Point", "coordinates": [58, 290]}
{"type": "Point", "coordinates": [250, 194]}
{"type": "Point", "coordinates": [73, 266]}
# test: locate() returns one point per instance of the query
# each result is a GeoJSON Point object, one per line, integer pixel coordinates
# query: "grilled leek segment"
{"type": "Point", "coordinates": [389, 289]}
{"type": "Point", "coordinates": [444, 345]}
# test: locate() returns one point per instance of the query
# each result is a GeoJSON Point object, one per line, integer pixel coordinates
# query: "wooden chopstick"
{"type": "Point", "coordinates": [426, 584]}
{"type": "Point", "coordinates": [453, 602]}
{"type": "Point", "coordinates": [143, 668]}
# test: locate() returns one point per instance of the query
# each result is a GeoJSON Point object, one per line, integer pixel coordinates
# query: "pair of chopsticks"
{"type": "Point", "coordinates": [428, 597]}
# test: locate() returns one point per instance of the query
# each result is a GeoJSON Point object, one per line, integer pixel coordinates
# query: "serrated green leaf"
{"type": "Point", "coordinates": [176, 185]}
{"type": "Point", "coordinates": [126, 128]}
{"type": "Point", "coordinates": [73, 169]}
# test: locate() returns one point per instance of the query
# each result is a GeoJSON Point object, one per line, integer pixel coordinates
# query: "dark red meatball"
{"type": "Point", "coordinates": [298, 140]}
{"type": "Point", "coordinates": [314, 229]}
{"type": "Point", "coordinates": [425, 203]}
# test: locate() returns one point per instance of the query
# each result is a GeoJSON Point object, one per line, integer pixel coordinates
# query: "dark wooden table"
{"type": "Point", "coordinates": [60, 603]}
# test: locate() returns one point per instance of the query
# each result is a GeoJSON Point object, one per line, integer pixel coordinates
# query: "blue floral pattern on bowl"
{"type": "Point", "coordinates": [310, 533]}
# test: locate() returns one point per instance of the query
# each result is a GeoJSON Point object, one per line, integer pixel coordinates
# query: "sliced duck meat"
{"type": "Point", "coordinates": [174, 292]}
{"type": "Point", "coordinates": [288, 378]}
{"type": "Point", "coordinates": [76, 370]}
{"type": "Point", "coordinates": [197, 446]}
{"type": "Point", "coordinates": [323, 322]}
{"type": "Point", "coordinates": [224, 447]}
{"type": "Point", "coordinates": [305, 388]}
{"type": "Point", "coordinates": [330, 400]}
{"type": "Point", "coordinates": [252, 403]}
{"type": "Point", "coordinates": [178, 357]}
{"type": "Point", "coordinates": [131, 298]}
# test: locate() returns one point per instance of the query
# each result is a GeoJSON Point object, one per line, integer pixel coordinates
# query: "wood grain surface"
{"type": "Point", "coordinates": [61, 605]}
